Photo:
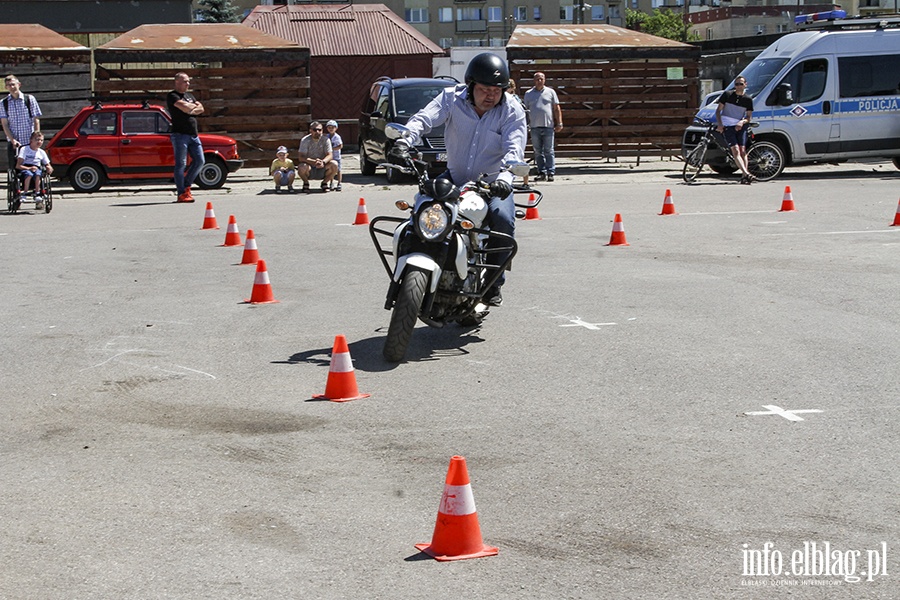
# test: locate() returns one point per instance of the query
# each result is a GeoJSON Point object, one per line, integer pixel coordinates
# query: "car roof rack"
{"type": "Point", "coordinates": [837, 20]}
{"type": "Point", "coordinates": [144, 100]}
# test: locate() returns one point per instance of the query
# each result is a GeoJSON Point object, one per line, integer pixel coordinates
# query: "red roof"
{"type": "Point", "coordinates": [342, 29]}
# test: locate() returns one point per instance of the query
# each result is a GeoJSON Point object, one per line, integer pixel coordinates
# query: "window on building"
{"type": "Point", "coordinates": [473, 42]}
{"type": "Point", "coordinates": [614, 11]}
{"type": "Point", "coordinates": [709, 33]}
{"type": "Point", "coordinates": [537, 13]}
{"type": "Point", "coordinates": [416, 15]}
{"type": "Point", "coordinates": [445, 15]}
{"type": "Point", "coordinates": [521, 13]}
{"type": "Point", "coordinates": [566, 12]}
{"type": "Point", "coordinates": [497, 42]}
{"type": "Point", "coordinates": [495, 14]}
{"type": "Point", "coordinates": [468, 14]}
{"type": "Point", "coordinates": [445, 42]}
{"type": "Point", "coordinates": [597, 13]}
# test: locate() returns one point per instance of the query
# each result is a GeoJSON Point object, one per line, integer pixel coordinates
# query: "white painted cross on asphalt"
{"type": "Point", "coordinates": [790, 415]}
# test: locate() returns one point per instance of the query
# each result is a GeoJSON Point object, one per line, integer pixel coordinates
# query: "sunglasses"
{"type": "Point", "coordinates": [740, 84]}
{"type": "Point", "coordinates": [317, 129]}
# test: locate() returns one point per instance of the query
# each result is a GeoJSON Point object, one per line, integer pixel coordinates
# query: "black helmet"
{"type": "Point", "coordinates": [488, 69]}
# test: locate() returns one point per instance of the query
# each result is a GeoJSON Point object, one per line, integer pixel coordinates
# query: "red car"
{"type": "Point", "coordinates": [130, 142]}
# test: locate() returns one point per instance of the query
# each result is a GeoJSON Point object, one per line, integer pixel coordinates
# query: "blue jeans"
{"type": "Point", "coordinates": [185, 144]}
{"type": "Point", "coordinates": [544, 156]}
{"type": "Point", "coordinates": [501, 218]}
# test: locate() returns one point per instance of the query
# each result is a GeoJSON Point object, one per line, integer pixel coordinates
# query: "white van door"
{"type": "Point", "coordinates": [808, 121]}
{"type": "Point", "coordinates": [869, 105]}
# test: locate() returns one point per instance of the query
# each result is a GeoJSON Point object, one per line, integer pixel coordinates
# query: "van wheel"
{"type": "Point", "coordinates": [766, 160]}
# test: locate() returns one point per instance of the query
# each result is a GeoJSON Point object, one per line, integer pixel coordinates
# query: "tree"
{"type": "Point", "coordinates": [662, 23]}
{"type": "Point", "coordinates": [217, 11]}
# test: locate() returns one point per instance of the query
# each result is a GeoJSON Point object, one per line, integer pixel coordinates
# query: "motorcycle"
{"type": "Point", "coordinates": [440, 272]}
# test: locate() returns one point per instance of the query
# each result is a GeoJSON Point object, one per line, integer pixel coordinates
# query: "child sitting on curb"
{"type": "Point", "coordinates": [282, 170]}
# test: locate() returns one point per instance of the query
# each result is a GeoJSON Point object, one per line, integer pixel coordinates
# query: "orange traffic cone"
{"type": "Point", "coordinates": [362, 216]}
{"type": "Point", "coordinates": [456, 533]}
{"type": "Point", "coordinates": [618, 233]}
{"type": "Point", "coordinates": [251, 252]}
{"type": "Point", "coordinates": [209, 219]}
{"type": "Point", "coordinates": [341, 384]}
{"type": "Point", "coordinates": [531, 213]}
{"type": "Point", "coordinates": [896, 216]}
{"type": "Point", "coordinates": [262, 289]}
{"type": "Point", "coordinates": [787, 204]}
{"type": "Point", "coordinates": [668, 207]}
{"type": "Point", "coordinates": [232, 235]}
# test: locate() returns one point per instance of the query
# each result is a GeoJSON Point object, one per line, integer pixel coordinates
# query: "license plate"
{"type": "Point", "coordinates": [441, 157]}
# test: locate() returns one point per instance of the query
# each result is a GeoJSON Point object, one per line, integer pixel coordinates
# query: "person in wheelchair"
{"type": "Point", "coordinates": [32, 163]}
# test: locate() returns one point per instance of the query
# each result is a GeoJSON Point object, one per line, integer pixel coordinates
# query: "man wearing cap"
{"type": "Point", "coordinates": [282, 170]}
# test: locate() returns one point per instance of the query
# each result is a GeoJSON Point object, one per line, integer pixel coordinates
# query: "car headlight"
{"type": "Point", "coordinates": [433, 222]}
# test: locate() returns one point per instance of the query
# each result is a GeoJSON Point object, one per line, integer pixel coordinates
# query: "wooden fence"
{"type": "Point", "coordinates": [620, 107]}
{"type": "Point", "coordinates": [258, 97]}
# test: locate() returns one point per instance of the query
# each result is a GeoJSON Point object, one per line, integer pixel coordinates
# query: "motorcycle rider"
{"type": "Point", "coordinates": [483, 130]}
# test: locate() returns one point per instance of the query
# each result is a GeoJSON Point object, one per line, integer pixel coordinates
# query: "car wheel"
{"type": "Point", "coordinates": [896, 162]}
{"type": "Point", "coordinates": [394, 175]}
{"type": "Point", "coordinates": [86, 176]}
{"type": "Point", "coordinates": [213, 174]}
{"type": "Point", "coordinates": [765, 160]}
{"type": "Point", "coordinates": [366, 166]}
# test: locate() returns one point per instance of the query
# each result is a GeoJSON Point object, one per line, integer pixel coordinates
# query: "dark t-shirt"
{"type": "Point", "coordinates": [181, 121]}
{"type": "Point", "coordinates": [735, 105]}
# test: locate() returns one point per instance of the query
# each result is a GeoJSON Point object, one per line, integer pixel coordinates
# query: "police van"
{"type": "Point", "coordinates": [826, 95]}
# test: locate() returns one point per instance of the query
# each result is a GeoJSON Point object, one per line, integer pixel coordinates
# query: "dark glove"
{"type": "Point", "coordinates": [400, 150]}
{"type": "Point", "coordinates": [501, 189]}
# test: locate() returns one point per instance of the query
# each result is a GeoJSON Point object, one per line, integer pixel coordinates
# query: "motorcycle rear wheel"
{"type": "Point", "coordinates": [404, 315]}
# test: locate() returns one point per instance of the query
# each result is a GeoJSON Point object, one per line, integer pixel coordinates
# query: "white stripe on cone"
{"type": "Point", "coordinates": [262, 278]}
{"type": "Point", "coordinates": [250, 244]}
{"type": "Point", "coordinates": [341, 363]}
{"type": "Point", "coordinates": [457, 500]}
{"type": "Point", "coordinates": [618, 226]}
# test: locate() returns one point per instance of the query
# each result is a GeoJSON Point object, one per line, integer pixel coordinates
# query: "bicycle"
{"type": "Point", "coordinates": [765, 159]}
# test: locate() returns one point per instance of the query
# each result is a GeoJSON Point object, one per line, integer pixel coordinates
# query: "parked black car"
{"type": "Point", "coordinates": [395, 101]}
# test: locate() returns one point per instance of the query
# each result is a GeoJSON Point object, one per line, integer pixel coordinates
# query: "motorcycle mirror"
{"type": "Point", "coordinates": [519, 169]}
{"type": "Point", "coordinates": [395, 131]}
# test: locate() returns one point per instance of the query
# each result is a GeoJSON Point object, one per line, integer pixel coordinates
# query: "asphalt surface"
{"type": "Point", "coordinates": [638, 421]}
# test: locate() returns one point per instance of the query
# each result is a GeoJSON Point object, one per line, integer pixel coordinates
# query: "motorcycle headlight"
{"type": "Point", "coordinates": [433, 222]}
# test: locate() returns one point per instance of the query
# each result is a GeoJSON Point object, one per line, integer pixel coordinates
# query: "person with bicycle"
{"type": "Point", "coordinates": [733, 117]}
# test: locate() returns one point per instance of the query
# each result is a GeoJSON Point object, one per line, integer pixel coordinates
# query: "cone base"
{"type": "Point", "coordinates": [250, 301]}
{"type": "Point", "coordinates": [324, 397]}
{"type": "Point", "coordinates": [216, 227]}
{"type": "Point", "coordinates": [617, 244]}
{"type": "Point", "coordinates": [486, 551]}
{"type": "Point", "coordinates": [231, 245]}
{"type": "Point", "coordinates": [671, 212]}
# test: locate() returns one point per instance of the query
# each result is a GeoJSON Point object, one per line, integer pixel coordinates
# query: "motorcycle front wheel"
{"type": "Point", "coordinates": [693, 162]}
{"type": "Point", "coordinates": [405, 314]}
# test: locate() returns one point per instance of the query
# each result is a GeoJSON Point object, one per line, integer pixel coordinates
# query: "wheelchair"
{"type": "Point", "coordinates": [14, 190]}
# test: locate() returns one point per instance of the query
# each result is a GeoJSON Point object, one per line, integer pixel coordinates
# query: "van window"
{"type": "Point", "coordinates": [760, 72]}
{"type": "Point", "coordinates": [869, 76]}
{"type": "Point", "coordinates": [807, 80]}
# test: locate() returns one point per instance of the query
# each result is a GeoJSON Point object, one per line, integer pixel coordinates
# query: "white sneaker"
{"type": "Point", "coordinates": [39, 204]}
{"type": "Point", "coordinates": [23, 198]}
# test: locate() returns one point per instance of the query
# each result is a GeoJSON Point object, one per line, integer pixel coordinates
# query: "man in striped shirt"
{"type": "Point", "coordinates": [20, 117]}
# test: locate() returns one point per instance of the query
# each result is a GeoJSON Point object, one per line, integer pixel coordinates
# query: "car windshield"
{"type": "Point", "coordinates": [759, 73]}
{"type": "Point", "coordinates": [409, 100]}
